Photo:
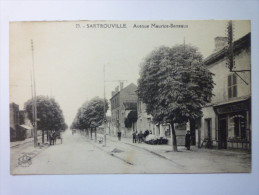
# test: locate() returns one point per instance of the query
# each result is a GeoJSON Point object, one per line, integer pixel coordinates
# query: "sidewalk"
{"type": "Point", "coordinates": [168, 148]}
{"type": "Point", "coordinates": [28, 140]}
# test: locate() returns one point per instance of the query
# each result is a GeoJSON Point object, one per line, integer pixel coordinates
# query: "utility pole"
{"type": "Point", "coordinates": [35, 98]}
{"type": "Point", "coordinates": [32, 97]}
{"type": "Point", "coordinates": [104, 108]}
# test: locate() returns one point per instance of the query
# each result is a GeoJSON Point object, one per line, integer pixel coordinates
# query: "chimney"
{"type": "Point", "coordinates": [117, 89]}
{"type": "Point", "coordinates": [220, 43]}
{"type": "Point", "coordinates": [121, 86]}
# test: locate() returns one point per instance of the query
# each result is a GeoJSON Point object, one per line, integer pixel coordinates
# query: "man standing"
{"type": "Point", "coordinates": [188, 140]}
{"type": "Point", "coordinates": [119, 135]}
{"type": "Point", "coordinates": [134, 137]}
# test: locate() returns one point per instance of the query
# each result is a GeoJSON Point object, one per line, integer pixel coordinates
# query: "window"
{"type": "Point", "coordinates": [238, 121]}
{"type": "Point", "coordinates": [232, 86]}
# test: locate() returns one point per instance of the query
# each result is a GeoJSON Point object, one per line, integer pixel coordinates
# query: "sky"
{"type": "Point", "coordinates": [69, 58]}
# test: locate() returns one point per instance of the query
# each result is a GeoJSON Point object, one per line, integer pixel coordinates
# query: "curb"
{"type": "Point", "coordinates": [110, 153]}
{"type": "Point", "coordinates": [152, 152]}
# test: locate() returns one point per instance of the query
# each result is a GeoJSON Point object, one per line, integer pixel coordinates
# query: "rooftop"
{"type": "Point", "coordinates": [239, 44]}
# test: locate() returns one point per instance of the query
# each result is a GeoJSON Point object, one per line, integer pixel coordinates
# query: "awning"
{"type": "Point", "coordinates": [233, 106]}
{"type": "Point", "coordinates": [26, 127]}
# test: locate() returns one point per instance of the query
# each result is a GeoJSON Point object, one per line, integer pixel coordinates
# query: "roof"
{"type": "Point", "coordinates": [130, 105]}
{"type": "Point", "coordinates": [239, 44]}
{"type": "Point", "coordinates": [233, 101]}
{"type": "Point", "coordinates": [25, 127]}
{"type": "Point", "coordinates": [239, 99]}
{"type": "Point", "coordinates": [125, 88]}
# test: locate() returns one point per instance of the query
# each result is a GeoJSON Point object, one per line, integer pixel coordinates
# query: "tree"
{"type": "Point", "coordinates": [131, 119]}
{"type": "Point", "coordinates": [91, 114]}
{"type": "Point", "coordinates": [49, 114]}
{"type": "Point", "coordinates": [174, 84]}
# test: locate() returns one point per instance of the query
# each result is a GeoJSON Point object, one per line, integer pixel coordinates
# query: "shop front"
{"type": "Point", "coordinates": [234, 121]}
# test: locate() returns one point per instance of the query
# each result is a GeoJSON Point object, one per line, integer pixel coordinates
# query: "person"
{"type": "Point", "coordinates": [140, 136]}
{"type": "Point", "coordinates": [146, 133]}
{"type": "Point", "coordinates": [188, 140]}
{"type": "Point", "coordinates": [137, 137]}
{"type": "Point", "coordinates": [55, 136]}
{"type": "Point", "coordinates": [119, 135]}
{"type": "Point", "coordinates": [134, 137]}
{"type": "Point", "coordinates": [51, 138]}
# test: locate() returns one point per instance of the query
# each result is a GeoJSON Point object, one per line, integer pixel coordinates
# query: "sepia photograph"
{"type": "Point", "coordinates": [130, 97]}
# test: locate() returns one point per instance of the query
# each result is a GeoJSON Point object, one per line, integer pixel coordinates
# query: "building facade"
{"type": "Point", "coordinates": [14, 121]}
{"type": "Point", "coordinates": [20, 126]}
{"type": "Point", "coordinates": [160, 130]}
{"type": "Point", "coordinates": [123, 101]}
{"type": "Point", "coordinates": [226, 120]}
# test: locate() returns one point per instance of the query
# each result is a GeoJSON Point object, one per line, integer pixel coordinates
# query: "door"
{"type": "Point", "coordinates": [208, 124]}
{"type": "Point", "coordinates": [222, 133]}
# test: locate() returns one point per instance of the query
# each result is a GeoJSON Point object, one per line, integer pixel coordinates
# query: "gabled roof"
{"type": "Point", "coordinates": [239, 44]}
{"type": "Point", "coordinates": [131, 85]}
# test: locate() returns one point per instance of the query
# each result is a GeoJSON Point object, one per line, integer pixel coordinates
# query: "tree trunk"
{"type": "Point", "coordinates": [91, 133]}
{"type": "Point", "coordinates": [42, 136]}
{"type": "Point", "coordinates": [173, 136]}
{"type": "Point", "coordinates": [192, 132]}
{"type": "Point", "coordinates": [95, 134]}
{"type": "Point", "coordinates": [199, 137]}
{"type": "Point", "coordinates": [47, 135]}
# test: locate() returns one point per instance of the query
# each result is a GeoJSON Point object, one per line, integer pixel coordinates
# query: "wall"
{"type": "Point", "coordinates": [220, 91]}
{"type": "Point", "coordinates": [242, 61]}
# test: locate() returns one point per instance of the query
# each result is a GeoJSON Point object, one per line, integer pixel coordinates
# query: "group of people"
{"type": "Point", "coordinates": [53, 135]}
{"type": "Point", "coordinates": [139, 137]}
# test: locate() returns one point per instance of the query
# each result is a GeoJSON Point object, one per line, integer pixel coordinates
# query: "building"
{"type": "Point", "coordinates": [25, 123]}
{"type": "Point", "coordinates": [20, 126]}
{"type": "Point", "coordinates": [160, 130]}
{"type": "Point", "coordinates": [123, 101]}
{"type": "Point", "coordinates": [226, 120]}
{"type": "Point", "coordinates": [14, 121]}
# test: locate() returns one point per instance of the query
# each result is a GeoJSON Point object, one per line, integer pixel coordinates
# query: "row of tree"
{"type": "Point", "coordinates": [90, 115]}
{"type": "Point", "coordinates": [175, 85]}
{"type": "Point", "coordinates": [49, 114]}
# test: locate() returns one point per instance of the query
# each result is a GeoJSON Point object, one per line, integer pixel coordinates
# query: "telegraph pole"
{"type": "Point", "coordinates": [35, 98]}
{"type": "Point", "coordinates": [32, 108]}
{"type": "Point", "coordinates": [104, 113]}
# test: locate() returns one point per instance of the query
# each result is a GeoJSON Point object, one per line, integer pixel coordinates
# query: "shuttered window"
{"type": "Point", "coordinates": [232, 86]}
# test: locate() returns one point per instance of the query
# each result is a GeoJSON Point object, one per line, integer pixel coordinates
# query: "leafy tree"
{"type": "Point", "coordinates": [49, 114]}
{"type": "Point", "coordinates": [90, 114]}
{"type": "Point", "coordinates": [175, 85]}
{"type": "Point", "coordinates": [131, 119]}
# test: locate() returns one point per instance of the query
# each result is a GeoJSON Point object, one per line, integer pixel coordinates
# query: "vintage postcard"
{"type": "Point", "coordinates": [98, 97]}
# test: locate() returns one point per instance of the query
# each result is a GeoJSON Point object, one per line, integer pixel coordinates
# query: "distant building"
{"type": "Point", "coordinates": [227, 119]}
{"type": "Point", "coordinates": [14, 121]}
{"type": "Point", "coordinates": [20, 125]}
{"type": "Point", "coordinates": [122, 102]}
{"type": "Point", "coordinates": [25, 123]}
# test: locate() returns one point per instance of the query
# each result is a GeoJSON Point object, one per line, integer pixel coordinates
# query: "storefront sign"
{"type": "Point", "coordinates": [228, 108]}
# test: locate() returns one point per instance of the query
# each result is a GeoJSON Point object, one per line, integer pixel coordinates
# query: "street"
{"type": "Point", "coordinates": [80, 155]}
